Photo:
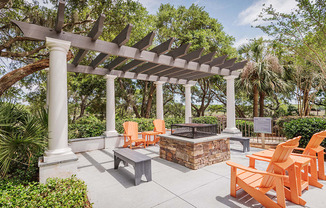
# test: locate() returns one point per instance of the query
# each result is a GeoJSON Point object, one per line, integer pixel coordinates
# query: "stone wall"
{"type": "Point", "coordinates": [195, 155]}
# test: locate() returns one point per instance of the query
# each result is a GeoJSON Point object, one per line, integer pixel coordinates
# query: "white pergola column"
{"type": "Point", "coordinates": [58, 149]}
{"type": "Point", "coordinates": [47, 88]}
{"type": "Point", "coordinates": [188, 103]}
{"type": "Point", "coordinates": [110, 106]}
{"type": "Point", "coordinates": [230, 106]}
{"type": "Point", "coordinates": [159, 100]}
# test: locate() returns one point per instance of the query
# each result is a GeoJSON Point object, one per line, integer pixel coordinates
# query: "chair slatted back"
{"type": "Point", "coordinates": [315, 141]}
{"type": "Point", "coordinates": [159, 125]}
{"type": "Point", "coordinates": [281, 155]}
{"type": "Point", "coordinates": [131, 128]}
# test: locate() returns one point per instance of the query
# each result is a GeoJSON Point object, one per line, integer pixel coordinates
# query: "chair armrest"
{"type": "Point", "coordinates": [259, 158]}
{"type": "Point", "coordinates": [252, 170]}
{"type": "Point", "coordinates": [140, 133]}
{"type": "Point", "coordinates": [127, 135]}
{"type": "Point", "coordinates": [302, 155]}
{"type": "Point", "coordinates": [299, 148]}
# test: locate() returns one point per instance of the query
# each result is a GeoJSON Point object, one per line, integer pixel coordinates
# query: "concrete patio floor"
{"type": "Point", "coordinates": [173, 185]}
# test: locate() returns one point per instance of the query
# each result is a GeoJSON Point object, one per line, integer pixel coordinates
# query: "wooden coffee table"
{"type": "Point", "coordinates": [148, 135]}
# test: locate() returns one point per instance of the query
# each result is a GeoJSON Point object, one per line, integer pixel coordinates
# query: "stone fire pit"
{"type": "Point", "coordinates": [195, 153]}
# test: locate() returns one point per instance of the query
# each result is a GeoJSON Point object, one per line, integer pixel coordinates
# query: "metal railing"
{"type": "Point", "coordinates": [246, 126]}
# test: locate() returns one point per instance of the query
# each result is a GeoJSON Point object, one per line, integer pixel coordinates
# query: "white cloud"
{"type": "Point", "coordinates": [247, 16]}
{"type": "Point", "coordinates": [246, 40]}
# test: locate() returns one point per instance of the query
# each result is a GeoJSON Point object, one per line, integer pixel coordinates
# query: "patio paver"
{"type": "Point", "coordinates": [173, 185]}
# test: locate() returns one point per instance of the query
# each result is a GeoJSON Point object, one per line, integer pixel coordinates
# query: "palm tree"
{"type": "Point", "coordinates": [262, 76]}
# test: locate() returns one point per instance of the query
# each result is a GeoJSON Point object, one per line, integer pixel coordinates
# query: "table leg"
{"type": "Point", "coordinates": [321, 165]}
{"type": "Point", "coordinates": [313, 179]}
{"type": "Point", "coordinates": [116, 162]}
{"type": "Point", "coordinates": [252, 162]}
{"type": "Point", "coordinates": [138, 173]}
{"type": "Point", "coordinates": [294, 195]}
{"type": "Point", "coordinates": [148, 170]}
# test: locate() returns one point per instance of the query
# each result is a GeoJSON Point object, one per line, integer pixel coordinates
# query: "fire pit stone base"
{"type": "Point", "coordinates": [195, 155]}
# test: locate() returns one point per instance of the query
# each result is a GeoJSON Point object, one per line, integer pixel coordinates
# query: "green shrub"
{"type": "Point", "coordinates": [206, 120]}
{"type": "Point", "coordinates": [70, 192]}
{"type": "Point", "coordinates": [304, 127]}
{"type": "Point", "coordinates": [22, 136]}
{"type": "Point", "coordinates": [92, 127]}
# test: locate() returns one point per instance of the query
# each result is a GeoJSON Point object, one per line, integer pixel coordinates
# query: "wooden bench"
{"type": "Point", "coordinates": [140, 162]}
{"type": "Point", "coordinates": [244, 141]}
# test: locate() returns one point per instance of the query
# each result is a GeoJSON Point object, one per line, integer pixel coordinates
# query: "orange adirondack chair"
{"type": "Point", "coordinates": [131, 135]}
{"type": "Point", "coordinates": [257, 183]}
{"type": "Point", "coordinates": [159, 126]}
{"type": "Point", "coordinates": [313, 148]}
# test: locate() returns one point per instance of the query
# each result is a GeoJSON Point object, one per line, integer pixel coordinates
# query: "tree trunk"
{"type": "Point", "coordinates": [306, 109]}
{"type": "Point", "coordinates": [149, 101]}
{"type": "Point", "coordinates": [255, 104]}
{"type": "Point", "coordinates": [14, 76]}
{"type": "Point", "coordinates": [261, 104]}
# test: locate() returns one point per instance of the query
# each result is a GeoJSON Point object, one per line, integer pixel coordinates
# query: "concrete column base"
{"type": "Point", "coordinates": [56, 155]}
{"type": "Point", "coordinates": [58, 169]}
{"type": "Point", "coordinates": [234, 131]}
{"type": "Point", "coordinates": [111, 133]}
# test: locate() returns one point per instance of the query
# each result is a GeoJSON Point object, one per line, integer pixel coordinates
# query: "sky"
{"type": "Point", "coordinates": [236, 16]}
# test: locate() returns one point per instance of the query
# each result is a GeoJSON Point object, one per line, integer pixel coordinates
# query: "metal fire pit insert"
{"type": "Point", "coordinates": [193, 130]}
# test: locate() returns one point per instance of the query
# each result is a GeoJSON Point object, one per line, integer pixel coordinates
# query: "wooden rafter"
{"type": "Point", "coordinates": [174, 53]}
{"type": "Point", "coordinates": [143, 44]}
{"type": "Point", "coordinates": [188, 57]}
{"type": "Point", "coordinates": [94, 34]}
{"type": "Point", "coordinates": [120, 40]}
{"type": "Point", "coordinates": [218, 61]}
{"type": "Point", "coordinates": [160, 49]}
{"type": "Point", "coordinates": [60, 16]}
{"type": "Point", "coordinates": [228, 63]}
{"type": "Point", "coordinates": [129, 75]}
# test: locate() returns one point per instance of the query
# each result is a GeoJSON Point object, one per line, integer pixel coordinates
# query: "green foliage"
{"type": "Point", "coordinates": [304, 127]}
{"type": "Point", "coordinates": [94, 127]}
{"type": "Point", "coordinates": [23, 136]}
{"type": "Point", "coordinates": [70, 192]}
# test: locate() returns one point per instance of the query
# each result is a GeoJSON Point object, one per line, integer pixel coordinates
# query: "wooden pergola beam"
{"type": "Point", "coordinates": [60, 16]}
{"type": "Point", "coordinates": [95, 33]}
{"type": "Point", "coordinates": [193, 55]}
{"type": "Point", "coordinates": [118, 73]}
{"type": "Point", "coordinates": [206, 58]}
{"type": "Point", "coordinates": [120, 40]}
{"type": "Point", "coordinates": [238, 65]}
{"type": "Point", "coordinates": [188, 57]}
{"type": "Point", "coordinates": [37, 32]}
{"type": "Point", "coordinates": [196, 76]}
{"type": "Point", "coordinates": [160, 49]}
{"type": "Point", "coordinates": [143, 44]}
{"type": "Point", "coordinates": [174, 53]}
{"type": "Point", "coordinates": [228, 63]}
{"type": "Point", "coordinates": [164, 47]}
{"type": "Point", "coordinates": [218, 61]}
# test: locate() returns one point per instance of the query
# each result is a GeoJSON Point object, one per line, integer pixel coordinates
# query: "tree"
{"type": "Point", "coordinates": [262, 75]}
{"type": "Point", "coordinates": [195, 26]}
{"type": "Point", "coordinates": [302, 31]}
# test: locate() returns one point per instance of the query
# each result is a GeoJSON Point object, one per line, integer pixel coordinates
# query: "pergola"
{"type": "Point", "coordinates": [159, 65]}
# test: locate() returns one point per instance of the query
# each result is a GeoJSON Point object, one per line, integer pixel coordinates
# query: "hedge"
{"type": "Point", "coordinates": [304, 127]}
{"type": "Point", "coordinates": [96, 127]}
{"type": "Point", "coordinates": [70, 192]}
